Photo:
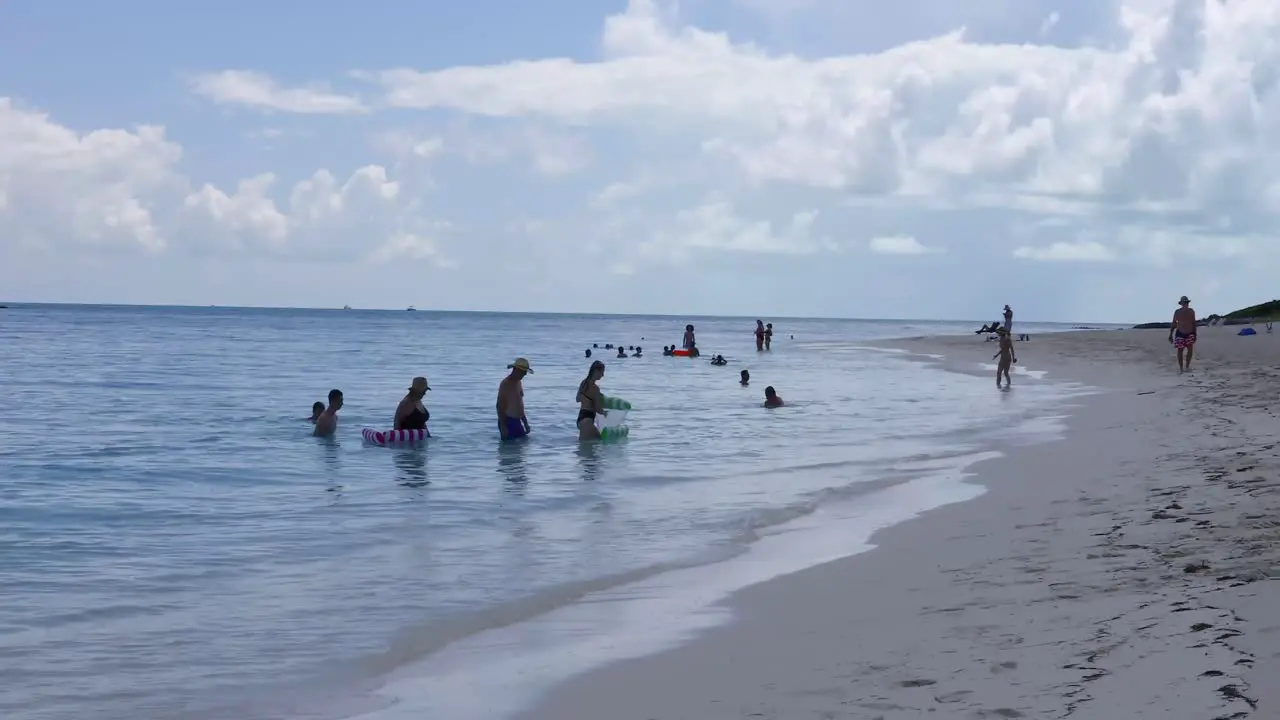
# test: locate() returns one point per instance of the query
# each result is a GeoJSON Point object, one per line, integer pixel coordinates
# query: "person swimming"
{"type": "Point", "coordinates": [327, 421]}
{"type": "Point", "coordinates": [637, 352]}
{"type": "Point", "coordinates": [317, 408]}
{"type": "Point", "coordinates": [746, 379]}
{"type": "Point", "coordinates": [719, 360]}
{"type": "Point", "coordinates": [771, 398]}
{"type": "Point", "coordinates": [666, 351]}
{"type": "Point", "coordinates": [411, 414]}
{"type": "Point", "coordinates": [590, 403]}
{"type": "Point", "coordinates": [622, 353]}
{"type": "Point", "coordinates": [588, 352]}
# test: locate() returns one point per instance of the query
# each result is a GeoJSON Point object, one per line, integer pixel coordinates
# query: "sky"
{"type": "Point", "coordinates": [1081, 160]}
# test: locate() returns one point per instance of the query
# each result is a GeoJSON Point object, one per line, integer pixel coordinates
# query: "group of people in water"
{"type": "Point", "coordinates": [513, 423]}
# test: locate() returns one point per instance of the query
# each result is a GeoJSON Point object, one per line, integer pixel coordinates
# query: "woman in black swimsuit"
{"type": "Point", "coordinates": [590, 403]}
{"type": "Point", "coordinates": [411, 414]}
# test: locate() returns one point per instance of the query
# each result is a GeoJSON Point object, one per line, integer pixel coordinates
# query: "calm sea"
{"type": "Point", "coordinates": [174, 544]}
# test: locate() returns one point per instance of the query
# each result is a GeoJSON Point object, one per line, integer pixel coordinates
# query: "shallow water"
{"type": "Point", "coordinates": [174, 543]}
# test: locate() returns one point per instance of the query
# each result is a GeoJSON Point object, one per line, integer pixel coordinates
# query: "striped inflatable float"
{"type": "Point", "coordinates": [394, 437]}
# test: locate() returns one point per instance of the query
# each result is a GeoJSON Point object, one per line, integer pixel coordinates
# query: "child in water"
{"type": "Point", "coordinates": [746, 378]}
{"type": "Point", "coordinates": [771, 399]}
{"type": "Point", "coordinates": [316, 408]}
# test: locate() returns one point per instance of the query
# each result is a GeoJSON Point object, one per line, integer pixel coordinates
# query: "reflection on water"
{"type": "Point", "coordinates": [589, 460]}
{"type": "Point", "coordinates": [412, 465]}
{"type": "Point", "coordinates": [511, 461]}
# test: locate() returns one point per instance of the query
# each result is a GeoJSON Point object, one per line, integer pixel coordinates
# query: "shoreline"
{"type": "Point", "coordinates": [1101, 575]}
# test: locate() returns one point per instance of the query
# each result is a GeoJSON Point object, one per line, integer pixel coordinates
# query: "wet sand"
{"type": "Point", "coordinates": [1120, 573]}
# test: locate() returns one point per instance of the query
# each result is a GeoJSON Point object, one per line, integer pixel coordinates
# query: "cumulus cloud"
{"type": "Point", "coordinates": [1083, 251]}
{"type": "Point", "coordinates": [1175, 119]}
{"type": "Point", "coordinates": [257, 90]}
{"type": "Point", "coordinates": [122, 190]}
{"type": "Point", "coordinates": [898, 245]}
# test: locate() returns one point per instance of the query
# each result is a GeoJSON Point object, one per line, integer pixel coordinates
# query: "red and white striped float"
{"type": "Point", "coordinates": [394, 437]}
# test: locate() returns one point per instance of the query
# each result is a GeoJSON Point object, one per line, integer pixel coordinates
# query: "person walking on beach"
{"type": "Point", "coordinates": [512, 422]}
{"type": "Point", "coordinates": [1008, 319]}
{"type": "Point", "coordinates": [327, 422]}
{"type": "Point", "coordinates": [1007, 357]}
{"type": "Point", "coordinates": [759, 336]}
{"type": "Point", "coordinates": [1182, 333]}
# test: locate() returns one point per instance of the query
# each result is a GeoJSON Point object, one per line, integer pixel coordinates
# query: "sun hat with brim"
{"type": "Point", "coordinates": [419, 385]}
{"type": "Point", "coordinates": [522, 365]}
{"type": "Point", "coordinates": [1183, 300]}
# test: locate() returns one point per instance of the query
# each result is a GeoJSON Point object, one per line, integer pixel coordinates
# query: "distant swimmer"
{"type": "Point", "coordinates": [771, 398]}
{"type": "Point", "coordinates": [666, 351]}
{"type": "Point", "coordinates": [759, 336]}
{"type": "Point", "coordinates": [746, 379]}
{"type": "Point", "coordinates": [719, 360]}
{"type": "Point", "coordinates": [622, 353]}
{"type": "Point", "coordinates": [768, 336]}
{"type": "Point", "coordinates": [689, 341]}
{"type": "Point", "coordinates": [317, 408]}
{"type": "Point", "coordinates": [512, 422]}
{"type": "Point", "coordinates": [411, 414]}
{"type": "Point", "coordinates": [1007, 357]}
{"type": "Point", "coordinates": [588, 352]}
{"type": "Point", "coordinates": [590, 403]}
{"type": "Point", "coordinates": [327, 422]}
{"type": "Point", "coordinates": [638, 352]}
{"type": "Point", "coordinates": [1182, 333]}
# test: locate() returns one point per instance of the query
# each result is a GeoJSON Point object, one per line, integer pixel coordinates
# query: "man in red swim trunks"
{"type": "Point", "coordinates": [1182, 333]}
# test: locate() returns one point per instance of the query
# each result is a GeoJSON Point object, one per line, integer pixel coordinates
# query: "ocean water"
{"type": "Point", "coordinates": [174, 543]}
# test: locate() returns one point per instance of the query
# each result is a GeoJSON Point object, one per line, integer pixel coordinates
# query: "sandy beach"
{"type": "Point", "coordinates": [1122, 572]}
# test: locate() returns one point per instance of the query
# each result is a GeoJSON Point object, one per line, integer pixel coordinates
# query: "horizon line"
{"type": "Point", "coordinates": [411, 308]}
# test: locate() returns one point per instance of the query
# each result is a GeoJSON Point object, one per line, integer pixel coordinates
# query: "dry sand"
{"type": "Point", "coordinates": [1120, 573]}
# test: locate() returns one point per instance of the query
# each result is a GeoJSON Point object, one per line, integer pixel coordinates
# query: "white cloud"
{"type": "Point", "coordinates": [122, 190]}
{"type": "Point", "coordinates": [716, 226]}
{"type": "Point", "coordinates": [256, 90]}
{"type": "Point", "coordinates": [898, 245]}
{"type": "Point", "coordinates": [1173, 117]}
{"type": "Point", "coordinates": [1082, 251]}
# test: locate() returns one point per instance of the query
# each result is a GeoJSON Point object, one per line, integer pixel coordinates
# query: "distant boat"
{"type": "Point", "coordinates": [411, 308]}
{"type": "Point", "coordinates": [346, 307]}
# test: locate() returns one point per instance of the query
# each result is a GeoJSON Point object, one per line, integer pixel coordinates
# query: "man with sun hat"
{"type": "Point", "coordinates": [512, 422]}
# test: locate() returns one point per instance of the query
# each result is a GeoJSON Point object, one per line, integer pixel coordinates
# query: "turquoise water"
{"type": "Point", "coordinates": [173, 543]}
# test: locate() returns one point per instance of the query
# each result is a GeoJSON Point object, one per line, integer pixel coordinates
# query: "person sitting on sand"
{"type": "Point", "coordinates": [411, 414]}
{"type": "Point", "coordinates": [746, 379]}
{"type": "Point", "coordinates": [327, 421]}
{"type": "Point", "coordinates": [1007, 357]}
{"type": "Point", "coordinates": [590, 403]}
{"type": "Point", "coordinates": [771, 398]}
{"type": "Point", "coordinates": [1182, 333]}
{"type": "Point", "coordinates": [317, 408]}
{"type": "Point", "coordinates": [512, 422]}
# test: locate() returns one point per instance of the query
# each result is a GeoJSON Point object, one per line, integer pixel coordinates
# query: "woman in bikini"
{"type": "Point", "coordinates": [590, 403]}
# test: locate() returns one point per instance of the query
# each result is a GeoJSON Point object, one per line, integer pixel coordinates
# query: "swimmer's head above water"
{"type": "Point", "coordinates": [746, 377]}
{"type": "Point", "coordinates": [317, 407]}
{"type": "Point", "coordinates": [771, 398]}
